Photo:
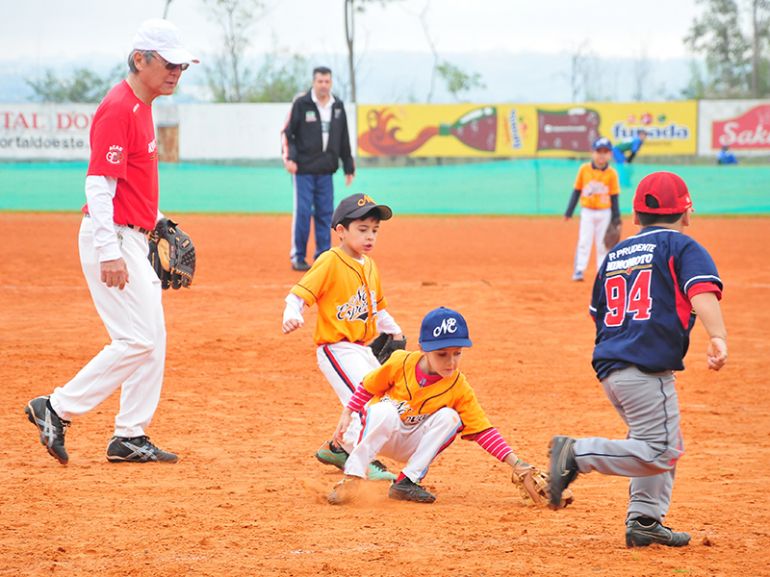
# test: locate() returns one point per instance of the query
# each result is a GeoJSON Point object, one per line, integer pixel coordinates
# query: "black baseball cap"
{"type": "Point", "coordinates": [356, 206]}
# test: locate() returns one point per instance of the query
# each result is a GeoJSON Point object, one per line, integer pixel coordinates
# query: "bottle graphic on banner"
{"type": "Point", "coordinates": [476, 129]}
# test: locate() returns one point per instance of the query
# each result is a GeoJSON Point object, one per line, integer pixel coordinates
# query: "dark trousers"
{"type": "Point", "coordinates": [313, 197]}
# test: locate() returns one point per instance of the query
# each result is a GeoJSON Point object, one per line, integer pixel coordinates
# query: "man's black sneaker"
{"type": "Point", "coordinates": [50, 425]}
{"type": "Point", "coordinates": [563, 468]}
{"type": "Point", "coordinates": [406, 490]}
{"type": "Point", "coordinates": [300, 265]}
{"type": "Point", "coordinates": [137, 450]}
{"type": "Point", "coordinates": [638, 535]}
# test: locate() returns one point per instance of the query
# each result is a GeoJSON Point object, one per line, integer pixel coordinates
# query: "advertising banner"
{"type": "Point", "coordinates": [45, 131]}
{"type": "Point", "coordinates": [510, 130]}
{"type": "Point", "coordinates": [741, 125]}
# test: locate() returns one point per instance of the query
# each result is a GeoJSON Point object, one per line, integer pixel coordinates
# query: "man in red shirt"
{"type": "Point", "coordinates": [121, 208]}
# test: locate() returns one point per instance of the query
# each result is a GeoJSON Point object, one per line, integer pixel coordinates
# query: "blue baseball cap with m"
{"type": "Point", "coordinates": [442, 328]}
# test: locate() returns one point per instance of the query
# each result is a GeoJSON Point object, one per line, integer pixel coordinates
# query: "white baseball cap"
{"type": "Point", "coordinates": [163, 37]}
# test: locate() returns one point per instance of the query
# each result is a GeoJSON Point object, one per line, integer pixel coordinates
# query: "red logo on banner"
{"type": "Point", "coordinates": [750, 131]}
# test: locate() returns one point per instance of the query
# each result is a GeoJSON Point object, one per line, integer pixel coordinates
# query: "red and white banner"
{"type": "Point", "coordinates": [45, 131]}
{"type": "Point", "coordinates": [741, 125]}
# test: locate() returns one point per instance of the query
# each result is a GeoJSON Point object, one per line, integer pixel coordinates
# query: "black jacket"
{"type": "Point", "coordinates": [303, 142]}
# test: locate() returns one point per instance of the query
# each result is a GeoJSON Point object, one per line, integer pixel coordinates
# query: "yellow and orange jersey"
{"type": "Point", "coordinates": [395, 382]}
{"type": "Point", "coordinates": [596, 186]}
{"type": "Point", "coordinates": [348, 295]}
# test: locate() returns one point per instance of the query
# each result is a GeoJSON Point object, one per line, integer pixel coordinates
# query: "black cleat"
{"type": "Point", "coordinates": [563, 468]}
{"type": "Point", "coordinates": [137, 450]}
{"type": "Point", "coordinates": [51, 427]}
{"type": "Point", "coordinates": [406, 490]}
{"type": "Point", "coordinates": [300, 265]}
{"type": "Point", "coordinates": [638, 535]}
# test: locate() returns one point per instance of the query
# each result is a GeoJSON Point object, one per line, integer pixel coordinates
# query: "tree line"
{"type": "Point", "coordinates": [730, 37]}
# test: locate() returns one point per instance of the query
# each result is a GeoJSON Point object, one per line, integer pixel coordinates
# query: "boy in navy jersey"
{"type": "Point", "coordinates": [645, 300]}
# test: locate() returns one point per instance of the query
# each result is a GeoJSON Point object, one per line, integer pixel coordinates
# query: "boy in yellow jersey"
{"type": "Point", "coordinates": [418, 401]}
{"type": "Point", "coordinates": [345, 284]}
{"type": "Point", "coordinates": [597, 188]}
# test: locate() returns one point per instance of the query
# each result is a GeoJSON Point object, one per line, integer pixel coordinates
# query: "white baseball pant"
{"type": "Point", "coordinates": [593, 225]}
{"type": "Point", "coordinates": [345, 365]}
{"type": "Point", "coordinates": [135, 358]}
{"type": "Point", "coordinates": [417, 446]}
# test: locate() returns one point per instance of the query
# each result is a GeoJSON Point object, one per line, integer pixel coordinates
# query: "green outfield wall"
{"type": "Point", "coordinates": [526, 187]}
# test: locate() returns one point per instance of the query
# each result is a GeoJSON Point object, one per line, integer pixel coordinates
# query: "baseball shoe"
{"type": "Point", "coordinates": [345, 491]}
{"type": "Point", "coordinates": [300, 265]}
{"type": "Point", "coordinates": [51, 427]}
{"type": "Point", "coordinates": [639, 535]}
{"type": "Point", "coordinates": [406, 490]}
{"type": "Point", "coordinates": [331, 454]}
{"type": "Point", "coordinates": [137, 450]}
{"type": "Point", "coordinates": [563, 468]}
{"type": "Point", "coordinates": [578, 276]}
{"type": "Point", "coordinates": [379, 472]}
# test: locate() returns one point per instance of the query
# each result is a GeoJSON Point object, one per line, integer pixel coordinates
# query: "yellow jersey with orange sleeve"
{"type": "Point", "coordinates": [348, 294]}
{"type": "Point", "coordinates": [596, 185]}
{"type": "Point", "coordinates": [396, 382]}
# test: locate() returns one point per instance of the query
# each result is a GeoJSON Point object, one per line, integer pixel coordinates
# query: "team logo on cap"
{"type": "Point", "coordinates": [115, 154]}
{"type": "Point", "coordinates": [365, 199]}
{"type": "Point", "coordinates": [447, 327]}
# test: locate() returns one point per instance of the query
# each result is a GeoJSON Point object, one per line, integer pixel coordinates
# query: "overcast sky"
{"type": "Point", "coordinates": [41, 30]}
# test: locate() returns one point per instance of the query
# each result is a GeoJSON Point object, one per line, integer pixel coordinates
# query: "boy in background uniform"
{"type": "Point", "coordinates": [345, 284]}
{"type": "Point", "coordinates": [597, 188]}
{"type": "Point", "coordinates": [645, 300]}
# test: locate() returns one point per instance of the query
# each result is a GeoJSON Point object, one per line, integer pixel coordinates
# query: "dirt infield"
{"type": "Point", "coordinates": [246, 407]}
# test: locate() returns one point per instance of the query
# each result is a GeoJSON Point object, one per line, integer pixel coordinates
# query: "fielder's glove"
{"type": "Point", "coordinates": [384, 345]}
{"type": "Point", "coordinates": [172, 254]}
{"type": "Point", "coordinates": [532, 483]}
{"type": "Point", "coordinates": [612, 235]}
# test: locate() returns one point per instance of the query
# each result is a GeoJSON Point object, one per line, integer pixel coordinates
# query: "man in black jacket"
{"type": "Point", "coordinates": [315, 139]}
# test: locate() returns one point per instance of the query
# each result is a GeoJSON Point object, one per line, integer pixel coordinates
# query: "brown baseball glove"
{"type": "Point", "coordinates": [612, 235]}
{"type": "Point", "coordinates": [532, 483]}
{"type": "Point", "coordinates": [171, 254]}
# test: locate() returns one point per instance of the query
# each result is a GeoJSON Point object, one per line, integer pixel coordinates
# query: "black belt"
{"type": "Point", "coordinates": [139, 228]}
{"type": "Point", "coordinates": [131, 226]}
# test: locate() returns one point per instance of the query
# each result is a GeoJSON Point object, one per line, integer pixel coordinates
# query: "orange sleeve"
{"type": "Point", "coordinates": [580, 177]}
{"type": "Point", "coordinates": [472, 415]}
{"type": "Point", "coordinates": [381, 302]}
{"type": "Point", "coordinates": [312, 284]}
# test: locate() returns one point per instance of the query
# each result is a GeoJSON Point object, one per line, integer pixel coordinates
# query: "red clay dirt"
{"type": "Point", "coordinates": [246, 407]}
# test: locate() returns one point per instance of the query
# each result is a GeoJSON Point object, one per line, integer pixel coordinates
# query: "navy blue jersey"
{"type": "Point", "coordinates": [640, 305]}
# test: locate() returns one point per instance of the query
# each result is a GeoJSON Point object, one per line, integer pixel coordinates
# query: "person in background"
{"type": "Point", "coordinates": [726, 156]}
{"type": "Point", "coordinates": [315, 139]}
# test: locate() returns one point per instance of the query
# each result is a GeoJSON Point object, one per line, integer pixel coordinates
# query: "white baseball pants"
{"type": "Point", "coordinates": [345, 365]}
{"type": "Point", "coordinates": [135, 358]}
{"type": "Point", "coordinates": [417, 446]}
{"type": "Point", "coordinates": [593, 225]}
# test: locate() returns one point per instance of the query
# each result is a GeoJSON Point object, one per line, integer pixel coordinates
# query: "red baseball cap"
{"type": "Point", "coordinates": [668, 189]}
